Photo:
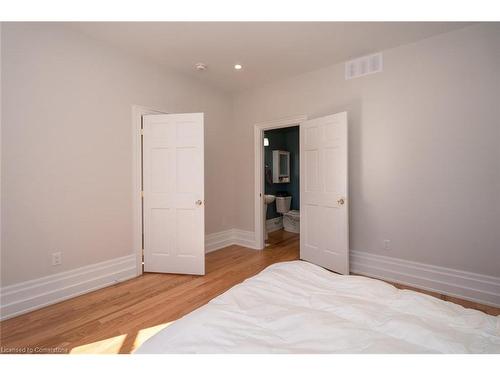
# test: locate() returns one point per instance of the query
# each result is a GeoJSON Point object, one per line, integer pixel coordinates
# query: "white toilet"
{"type": "Point", "coordinates": [291, 219]}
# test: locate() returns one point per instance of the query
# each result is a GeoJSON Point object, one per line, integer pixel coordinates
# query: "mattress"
{"type": "Point", "coordinates": [297, 307]}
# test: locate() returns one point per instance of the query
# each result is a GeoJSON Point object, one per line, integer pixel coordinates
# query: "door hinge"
{"type": "Point", "coordinates": [142, 193]}
{"type": "Point", "coordinates": [142, 131]}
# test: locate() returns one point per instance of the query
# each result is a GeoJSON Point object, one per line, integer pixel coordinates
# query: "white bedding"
{"type": "Point", "coordinates": [297, 307]}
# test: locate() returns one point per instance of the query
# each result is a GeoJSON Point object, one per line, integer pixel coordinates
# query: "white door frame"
{"type": "Point", "coordinates": [259, 169]}
{"type": "Point", "coordinates": [137, 112]}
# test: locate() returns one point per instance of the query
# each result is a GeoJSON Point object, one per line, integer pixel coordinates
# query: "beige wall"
{"type": "Point", "coordinates": [424, 147]}
{"type": "Point", "coordinates": [67, 141]}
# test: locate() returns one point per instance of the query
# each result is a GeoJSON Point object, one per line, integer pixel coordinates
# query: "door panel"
{"type": "Point", "coordinates": [173, 183]}
{"type": "Point", "coordinates": [161, 220]}
{"type": "Point", "coordinates": [324, 238]}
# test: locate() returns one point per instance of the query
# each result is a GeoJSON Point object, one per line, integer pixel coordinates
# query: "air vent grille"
{"type": "Point", "coordinates": [363, 66]}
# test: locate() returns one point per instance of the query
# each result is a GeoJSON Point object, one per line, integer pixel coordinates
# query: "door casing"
{"type": "Point", "coordinates": [137, 112]}
{"type": "Point", "coordinates": [259, 129]}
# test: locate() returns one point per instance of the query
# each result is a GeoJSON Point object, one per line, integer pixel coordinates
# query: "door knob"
{"type": "Point", "coordinates": [341, 201]}
{"type": "Point", "coordinates": [198, 202]}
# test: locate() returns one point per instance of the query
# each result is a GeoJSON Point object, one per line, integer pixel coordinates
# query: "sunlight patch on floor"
{"type": "Point", "coordinates": [111, 345]}
{"type": "Point", "coordinates": [116, 344]}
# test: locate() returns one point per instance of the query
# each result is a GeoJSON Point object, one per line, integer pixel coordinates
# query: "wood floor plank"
{"type": "Point", "coordinates": [118, 318]}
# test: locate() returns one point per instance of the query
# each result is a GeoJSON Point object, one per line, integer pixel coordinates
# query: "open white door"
{"type": "Point", "coordinates": [173, 184]}
{"type": "Point", "coordinates": [324, 227]}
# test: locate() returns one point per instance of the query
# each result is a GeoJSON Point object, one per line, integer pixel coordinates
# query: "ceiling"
{"type": "Point", "coordinates": [268, 51]}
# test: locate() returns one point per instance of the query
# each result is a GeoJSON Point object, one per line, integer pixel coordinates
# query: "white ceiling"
{"type": "Point", "coordinates": [268, 51]}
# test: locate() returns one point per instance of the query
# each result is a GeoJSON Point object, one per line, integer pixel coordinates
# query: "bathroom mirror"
{"type": "Point", "coordinates": [281, 167]}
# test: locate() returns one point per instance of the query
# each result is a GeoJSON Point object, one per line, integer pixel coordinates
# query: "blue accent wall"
{"type": "Point", "coordinates": [286, 139]}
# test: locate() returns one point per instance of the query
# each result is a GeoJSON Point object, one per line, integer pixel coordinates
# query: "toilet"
{"type": "Point", "coordinates": [291, 219]}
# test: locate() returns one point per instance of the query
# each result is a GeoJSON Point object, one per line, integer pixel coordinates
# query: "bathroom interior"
{"type": "Point", "coordinates": [281, 182]}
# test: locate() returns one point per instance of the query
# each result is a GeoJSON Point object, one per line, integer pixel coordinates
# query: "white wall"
{"type": "Point", "coordinates": [67, 142]}
{"type": "Point", "coordinates": [424, 147]}
{"type": "Point", "coordinates": [424, 154]}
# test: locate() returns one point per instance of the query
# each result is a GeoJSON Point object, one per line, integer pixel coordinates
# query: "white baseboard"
{"type": "Point", "coordinates": [245, 238]}
{"type": "Point", "coordinates": [469, 286]}
{"type": "Point", "coordinates": [219, 240]}
{"type": "Point", "coordinates": [27, 296]}
{"type": "Point", "coordinates": [274, 224]}
{"type": "Point", "coordinates": [31, 295]}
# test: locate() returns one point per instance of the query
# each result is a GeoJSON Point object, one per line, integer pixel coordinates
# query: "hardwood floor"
{"type": "Point", "coordinates": [119, 318]}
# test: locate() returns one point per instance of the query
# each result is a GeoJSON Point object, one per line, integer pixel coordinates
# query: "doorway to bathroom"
{"type": "Point", "coordinates": [281, 182]}
{"type": "Point", "coordinates": [277, 172]}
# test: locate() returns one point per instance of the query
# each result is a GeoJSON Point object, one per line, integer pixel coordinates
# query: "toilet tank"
{"type": "Point", "coordinates": [283, 204]}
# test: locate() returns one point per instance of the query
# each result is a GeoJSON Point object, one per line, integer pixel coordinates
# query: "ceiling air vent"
{"type": "Point", "coordinates": [363, 66]}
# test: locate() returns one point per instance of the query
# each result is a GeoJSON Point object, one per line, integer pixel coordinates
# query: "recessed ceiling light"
{"type": "Point", "coordinates": [200, 67]}
{"type": "Point", "coordinates": [238, 66]}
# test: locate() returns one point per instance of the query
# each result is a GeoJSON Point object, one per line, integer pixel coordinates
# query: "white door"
{"type": "Point", "coordinates": [324, 230]}
{"type": "Point", "coordinates": [173, 183]}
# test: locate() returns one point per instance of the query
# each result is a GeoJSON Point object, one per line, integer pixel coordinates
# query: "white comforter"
{"type": "Point", "coordinates": [297, 307]}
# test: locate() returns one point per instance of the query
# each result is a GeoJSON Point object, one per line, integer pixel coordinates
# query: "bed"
{"type": "Point", "coordinates": [297, 307]}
